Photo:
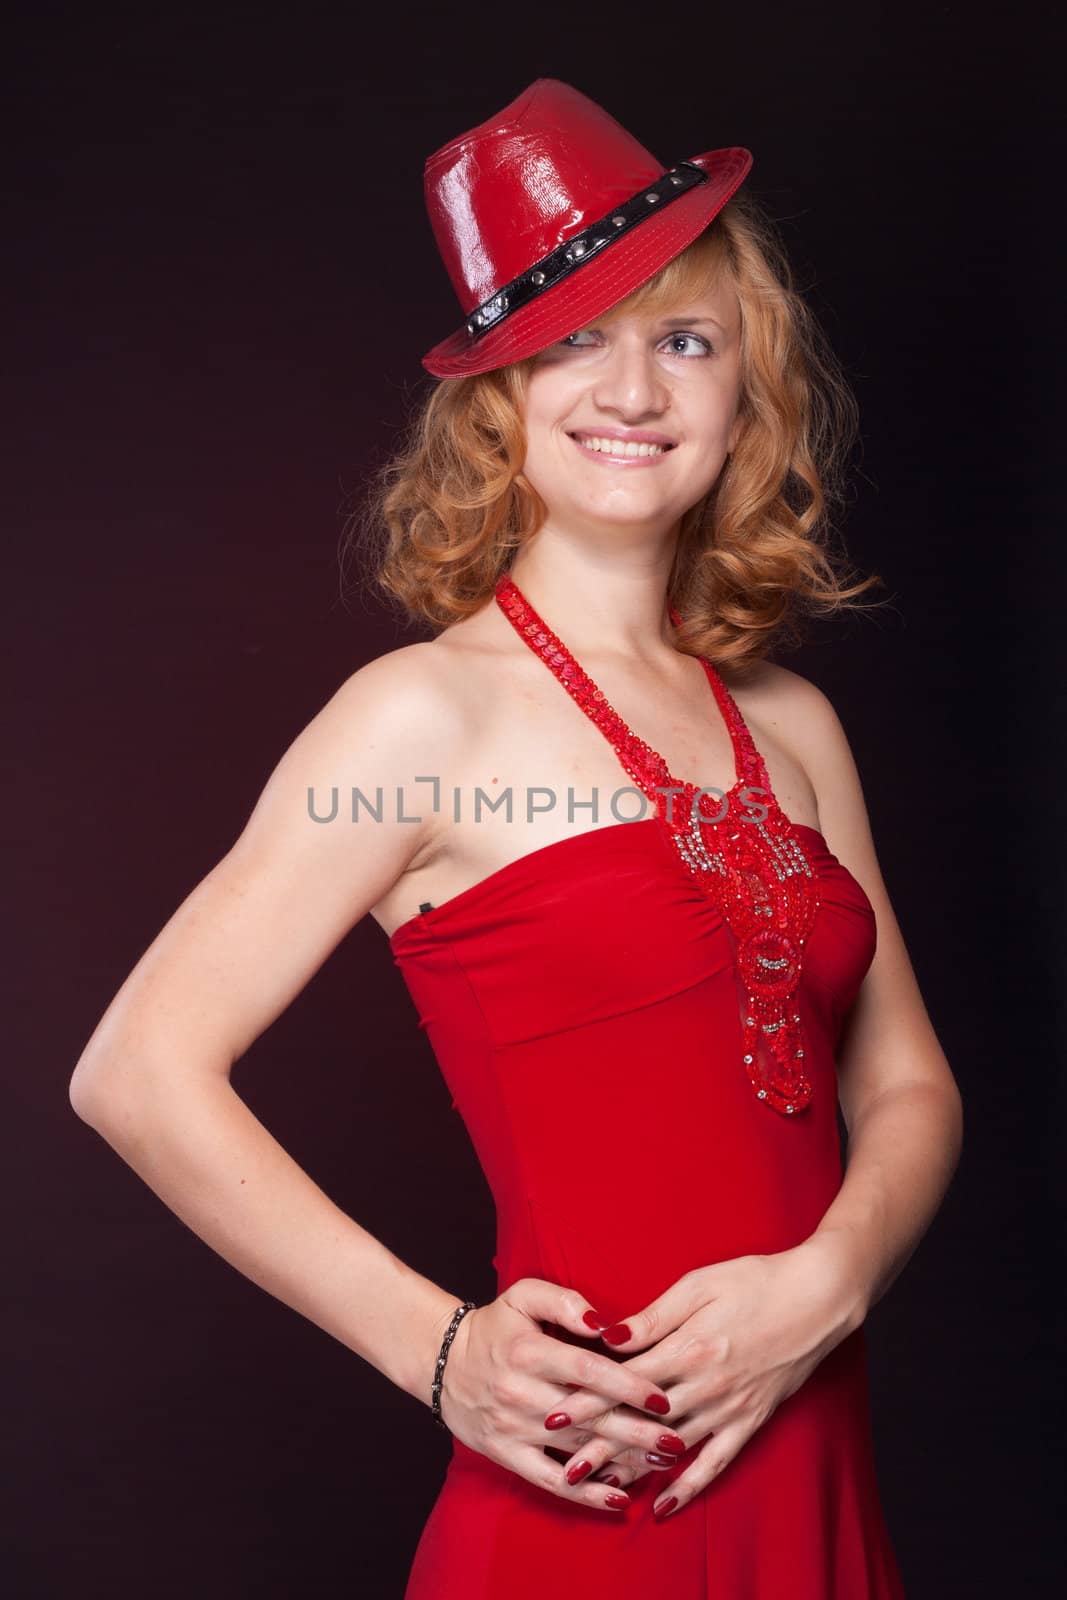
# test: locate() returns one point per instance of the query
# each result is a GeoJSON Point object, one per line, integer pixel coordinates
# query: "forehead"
{"type": "Point", "coordinates": [713, 302]}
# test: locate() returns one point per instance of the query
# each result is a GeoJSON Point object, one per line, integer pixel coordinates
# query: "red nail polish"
{"type": "Point", "coordinates": [659, 1461]}
{"type": "Point", "coordinates": [593, 1319]}
{"type": "Point", "coordinates": [558, 1419]}
{"type": "Point", "coordinates": [671, 1443]}
{"type": "Point", "coordinates": [620, 1501]}
{"type": "Point", "coordinates": [578, 1471]}
{"type": "Point", "coordinates": [658, 1403]}
{"type": "Point", "coordinates": [667, 1506]}
{"type": "Point", "coordinates": [612, 1479]}
{"type": "Point", "coordinates": [618, 1333]}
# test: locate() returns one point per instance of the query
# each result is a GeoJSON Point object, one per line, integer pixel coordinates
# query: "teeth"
{"type": "Point", "coordinates": [618, 447]}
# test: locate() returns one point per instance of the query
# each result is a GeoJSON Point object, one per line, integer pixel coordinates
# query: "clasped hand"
{"type": "Point", "coordinates": [720, 1350]}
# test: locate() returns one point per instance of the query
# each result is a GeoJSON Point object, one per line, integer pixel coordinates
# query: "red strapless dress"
{"type": "Point", "coordinates": [695, 974]}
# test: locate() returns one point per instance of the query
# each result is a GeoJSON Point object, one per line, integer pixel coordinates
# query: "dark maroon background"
{"type": "Point", "coordinates": [221, 280]}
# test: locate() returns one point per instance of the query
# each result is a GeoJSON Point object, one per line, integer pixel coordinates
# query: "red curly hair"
{"type": "Point", "coordinates": [444, 515]}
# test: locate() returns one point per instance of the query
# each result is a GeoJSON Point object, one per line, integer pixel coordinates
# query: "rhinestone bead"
{"type": "Point", "coordinates": [758, 876]}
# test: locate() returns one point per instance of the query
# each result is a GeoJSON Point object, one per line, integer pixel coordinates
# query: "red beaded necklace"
{"type": "Point", "coordinates": [755, 870]}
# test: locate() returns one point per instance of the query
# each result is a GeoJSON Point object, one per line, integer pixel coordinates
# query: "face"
{"type": "Point", "coordinates": [629, 420]}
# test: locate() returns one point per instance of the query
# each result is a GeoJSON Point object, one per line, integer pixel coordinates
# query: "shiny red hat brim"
{"type": "Point", "coordinates": [600, 283]}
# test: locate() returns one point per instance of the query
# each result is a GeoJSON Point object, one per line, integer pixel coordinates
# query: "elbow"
{"type": "Point", "coordinates": [122, 1088]}
{"type": "Point", "coordinates": [88, 1092]}
{"type": "Point", "coordinates": [111, 1083]}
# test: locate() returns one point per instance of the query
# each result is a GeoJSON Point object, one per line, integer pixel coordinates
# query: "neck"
{"type": "Point", "coordinates": [597, 605]}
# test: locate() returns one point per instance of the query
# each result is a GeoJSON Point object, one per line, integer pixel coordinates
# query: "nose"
{"type": "Point", "coordinates": [631, 383]}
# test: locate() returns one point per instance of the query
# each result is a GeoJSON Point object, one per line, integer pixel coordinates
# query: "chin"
{"type": "Point", "coordinates": [623, 516]}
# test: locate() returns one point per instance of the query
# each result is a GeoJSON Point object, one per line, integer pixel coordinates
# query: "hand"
{"type": "Point", "coordinates": [729, 1343]}
{"type": "Point", "coordinates": [504, 1375]}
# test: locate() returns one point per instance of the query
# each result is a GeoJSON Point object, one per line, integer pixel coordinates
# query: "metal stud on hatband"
{"type": "Point", "coordinates": [668, 187]}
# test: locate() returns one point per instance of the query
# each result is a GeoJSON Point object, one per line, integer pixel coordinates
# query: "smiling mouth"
{"type": "Point", "coordinates": [619, 450]}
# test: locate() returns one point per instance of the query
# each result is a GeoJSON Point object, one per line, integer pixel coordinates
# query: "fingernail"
{"type": "Point", "coordinates": [672, 1444]}
{"type": "Point", "coordinates": [619, 1501]}
{"type": "Point", "coordinates": [658, 1403]}
{"type": "Point", "coordinates": [593, 1319]}
{"type": "Point", "coordinates": [659, 1461]}
{"type": "Point", "coordinates": [578, 1471]}
{"type": "Point", "coordinates": [558, 1419]}
{"type": "Point", "coordinates": [618, 1333]}
{"type": "Point", "coordinates": [612, 1479]}
{"type": "Point", "coordinates": [665, 1506]}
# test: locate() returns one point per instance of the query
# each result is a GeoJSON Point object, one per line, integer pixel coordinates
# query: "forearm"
{"type": "Point", "coordinates": [902, 1153]}
{"type": "Point", "coordinates": [208, 1158]}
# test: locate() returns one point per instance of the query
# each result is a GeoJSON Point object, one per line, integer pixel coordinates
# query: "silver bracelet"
{"type": "Point", "coordinates": [439, 1369]}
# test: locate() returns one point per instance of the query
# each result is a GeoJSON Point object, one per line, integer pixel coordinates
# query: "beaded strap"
{"type": "Point", "coordinates": [754, 869]}
{"type": "Point", "coordinates": [442, 1356]}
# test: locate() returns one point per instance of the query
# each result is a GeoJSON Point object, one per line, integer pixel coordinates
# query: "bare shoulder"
{"type": "Point", "coordinates": [359, 759]}
{"type": "Point", "coordinates": [785, 703]}
{"type": "Point", "coordinates": [413, 676]}
{"type": "Point", "coordinates": [404, 705]}
{"type": "Point", "coordinates": [788, 713]}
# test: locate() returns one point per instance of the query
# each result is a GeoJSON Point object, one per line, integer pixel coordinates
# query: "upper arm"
{"type": "Point", "coordinates": [253, 932]}
{"type": "Point", "coordinates": [889, 1039]}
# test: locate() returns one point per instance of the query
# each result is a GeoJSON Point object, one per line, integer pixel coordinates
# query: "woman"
{"type": "Point", "coordinates": [649, 971]}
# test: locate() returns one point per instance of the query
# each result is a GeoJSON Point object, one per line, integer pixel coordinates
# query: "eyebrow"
{"type": "Point", "coordinates": [685, 316]}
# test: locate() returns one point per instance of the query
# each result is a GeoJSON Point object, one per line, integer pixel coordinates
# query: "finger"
{"type": "Point", "coordinates": [534, 1465]}
{"type": "Point", "coordinates": [607, 1379]}
{"type": "Point", "coordinates": [619, 1426]}
{"type": "Point", "coordinates": [710, 1461]}
{"type": "Point", "coordinates": [660, 1317]}
{"type": "Point", "coordinates": [594, 1456]}
{"type": "Point", "coordinates": [542, 1301]}
{"type": "Point", "coordinates": [583, 1458]}
{"type": "Point", "coordinates": [629, 1466]}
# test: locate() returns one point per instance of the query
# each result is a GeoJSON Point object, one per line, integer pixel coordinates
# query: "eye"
{"type": "Point", "coordinates": [568, 342]}
{"type": "Point", "coordinates": [691, 338]}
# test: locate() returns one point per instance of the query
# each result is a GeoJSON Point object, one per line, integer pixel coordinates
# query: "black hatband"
{"type": "Point", "coordinates": [567, 257]}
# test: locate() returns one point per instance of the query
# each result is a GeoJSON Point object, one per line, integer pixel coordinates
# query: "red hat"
{"type": "Point", "coordinates": [549, 213]}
